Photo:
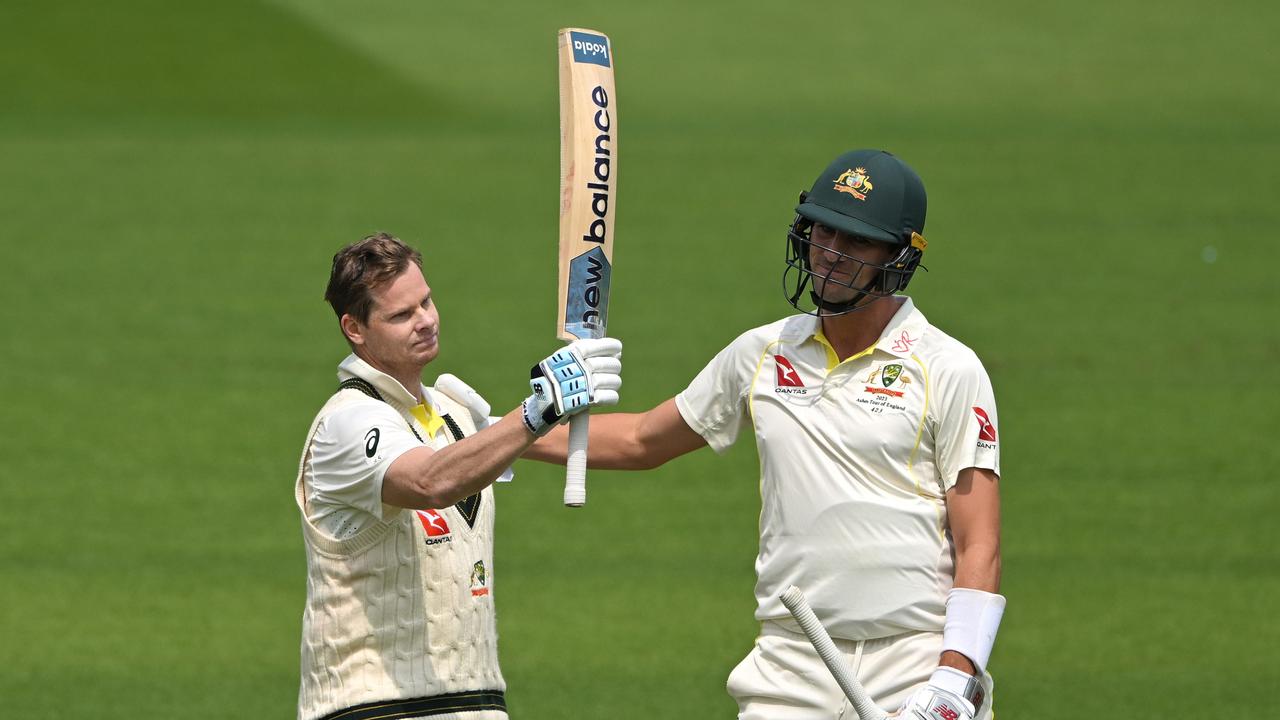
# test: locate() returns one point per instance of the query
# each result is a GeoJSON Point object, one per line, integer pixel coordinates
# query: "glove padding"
{"type": "Point", "coordinates": [584, 374]}
{"type": "Point", "coordinates": [943, 698]}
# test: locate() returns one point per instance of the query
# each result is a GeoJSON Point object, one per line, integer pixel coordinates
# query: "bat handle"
{"type": "Point", "coordinates": [575, 484]}
{"type": "Point", "coordinates": [800, 610]}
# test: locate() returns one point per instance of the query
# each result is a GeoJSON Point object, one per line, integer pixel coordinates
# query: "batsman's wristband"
{"type": "Point", "coordinates": [973, 619]}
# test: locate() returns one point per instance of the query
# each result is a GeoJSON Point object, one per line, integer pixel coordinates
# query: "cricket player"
{"type": "Point", "coordinates": [397, 508]}
{"type": "Point", "coordinates": [879, 462]}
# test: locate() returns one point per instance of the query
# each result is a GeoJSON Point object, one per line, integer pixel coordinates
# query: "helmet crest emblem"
{"type": "Point", "coordinates": [856, 182]}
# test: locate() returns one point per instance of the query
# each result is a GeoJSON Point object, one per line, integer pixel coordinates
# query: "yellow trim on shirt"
{"type": "Point", "coordinates": [428, 417]}
{"type": "Point", "coordinates": [915, 449]}
{"type": "Point", "coordinates": [832, 358]}
{"type": "Point", "coordinates": [751, 389]}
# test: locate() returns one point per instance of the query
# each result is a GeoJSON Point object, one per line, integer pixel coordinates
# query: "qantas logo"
{"type": "Point", "coordinates": [986, 431]}
{"type": "Point", "coordinates": [435, 526]}
{"type": "Point", "coordinates": [787, 375]}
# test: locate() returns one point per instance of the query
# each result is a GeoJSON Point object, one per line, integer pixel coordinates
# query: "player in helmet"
{"type": "Point", "coordinates": [887, 216]}
{"type": "Point", "coordinates": [879, 464]}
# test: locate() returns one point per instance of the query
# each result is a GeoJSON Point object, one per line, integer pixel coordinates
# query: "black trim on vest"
{"type": "Point", "coordinates": [466, 701]}
{"type": "Point", "coordinates": [468, 507]}
{"type": "Point", "coordinates": [363, 386]}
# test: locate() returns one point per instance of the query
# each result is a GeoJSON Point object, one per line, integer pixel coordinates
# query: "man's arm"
{"type": "Point", "coordinates": [423, 478]}
{"type": "Point", "coordinates": [626, 441]}
{"type": "Point", "coordinates": [582, 375]}
{"type": "Point", "coordinates": [973, 507]}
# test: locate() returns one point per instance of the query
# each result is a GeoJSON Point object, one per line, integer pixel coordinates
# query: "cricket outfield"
{"type": "Point", "coordinates": [174, 181]}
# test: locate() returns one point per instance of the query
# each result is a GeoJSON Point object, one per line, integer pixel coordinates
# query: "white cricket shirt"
{"type": "Point", "coordinates": [855, 459]}
{"type": "Point", "coordinates": [354, 446]}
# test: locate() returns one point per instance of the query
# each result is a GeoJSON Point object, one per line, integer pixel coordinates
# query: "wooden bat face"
{"type": "Point", "coordinates": [588, 182]}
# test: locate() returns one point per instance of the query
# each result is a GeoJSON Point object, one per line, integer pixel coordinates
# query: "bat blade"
{"type": "Point", "coordinates": [588, 188]}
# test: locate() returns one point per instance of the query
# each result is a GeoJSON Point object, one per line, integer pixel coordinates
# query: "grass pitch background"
{"type": "Point", "coordinates": [175, 179]}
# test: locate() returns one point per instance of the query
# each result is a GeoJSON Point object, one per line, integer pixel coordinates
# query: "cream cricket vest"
{"type": "Point", "coordinates": [400, 619]}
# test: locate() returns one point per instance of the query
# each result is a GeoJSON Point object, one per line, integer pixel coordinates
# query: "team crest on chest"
{"type": "Point", "coordinates": [479, 580]}
{"type": "Point", "coordinates": [885, 389]}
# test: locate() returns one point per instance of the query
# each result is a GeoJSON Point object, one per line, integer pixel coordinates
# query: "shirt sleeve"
{"type": "Point", "coordinates": [966, 432]}
{"type": "Point", "coordinates": [715, 403]}
{"type": "Point", "coordinates": [352, 450]}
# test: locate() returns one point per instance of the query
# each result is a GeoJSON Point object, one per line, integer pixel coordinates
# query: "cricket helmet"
{"type": "Point", "coordinates": [870, 194]}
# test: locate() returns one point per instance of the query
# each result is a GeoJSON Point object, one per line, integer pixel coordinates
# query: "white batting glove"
{"type": "Point", "coordinates": [586, 373]}
{"type": "Point", "coordinates": [944, 697]}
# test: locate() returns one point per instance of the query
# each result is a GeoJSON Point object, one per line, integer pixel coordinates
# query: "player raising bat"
{"type": "Point", "coordinates": [879, 460]}
{"type": "Point", "coordinates": [397, 508]}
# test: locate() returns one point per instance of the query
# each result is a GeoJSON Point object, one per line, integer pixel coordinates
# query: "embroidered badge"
{"type": "Point", "coordinates": [855, 182]}
{"type": "Point", "coordinates": [890, 374]}
{"type": "Point", "coordinates": [479, 583]}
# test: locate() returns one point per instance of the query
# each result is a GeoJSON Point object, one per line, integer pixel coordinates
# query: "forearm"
{"type": "Point", "coordinates": [973, 607]}
{"type": "Point", "coordinates": [978, 567]}
{"type": "Point", "coordinates": [626, 441]}
{"type": "Point", "coordinates": [614, 443]}
{"type": "Point", "coordinates": [441, 478]}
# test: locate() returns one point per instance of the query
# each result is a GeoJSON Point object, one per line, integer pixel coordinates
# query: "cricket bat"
{"type": "Point", "coordinates": [588, 186]}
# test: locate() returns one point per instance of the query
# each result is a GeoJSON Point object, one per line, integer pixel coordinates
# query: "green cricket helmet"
{"type": "Point", "coordinates": [868, 193]}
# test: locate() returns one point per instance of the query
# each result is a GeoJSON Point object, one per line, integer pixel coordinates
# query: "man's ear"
{"type": "Point", "coordinates": [352, 328]}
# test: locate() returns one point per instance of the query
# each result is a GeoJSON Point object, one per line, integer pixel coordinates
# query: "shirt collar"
{"type": "Point", "coordinates": [390, 388]}
{"type": "Point", "coordinates": [900, 336]}
{"type": "Point", "coordinates": [904, 331]}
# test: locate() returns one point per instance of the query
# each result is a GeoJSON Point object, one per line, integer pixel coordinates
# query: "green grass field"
{"type": "Point", "coordinates": [174, 181]}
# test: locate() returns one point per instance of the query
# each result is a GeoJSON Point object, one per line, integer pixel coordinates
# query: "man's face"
{"type": "Point", "coordinates": [839, 256]}
{"type": "Point", "coordinates": [403, 330]}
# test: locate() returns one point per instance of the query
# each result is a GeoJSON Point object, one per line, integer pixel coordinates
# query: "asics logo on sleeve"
{"type": "Point", "coordinates": [371, 442]}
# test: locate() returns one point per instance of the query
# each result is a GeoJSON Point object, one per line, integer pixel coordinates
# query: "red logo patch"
{"type": "Point", "coordinates": [787, 375]}
{"type": "Point", "coordinates": [986, 431]}
{"type": "Point", "coordinates": [883, 391]}
{"type": "Point", "coordinates": [946, 712]}
{"type": "Point", "coordinates": [433, 522]}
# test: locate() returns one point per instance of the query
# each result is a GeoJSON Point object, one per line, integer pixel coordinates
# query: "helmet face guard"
{"type": "Point", "coordinates": [869, 280]}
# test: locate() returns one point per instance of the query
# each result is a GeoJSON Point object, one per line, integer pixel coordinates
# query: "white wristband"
{"type": "Point", "coordinates": [973, 618]}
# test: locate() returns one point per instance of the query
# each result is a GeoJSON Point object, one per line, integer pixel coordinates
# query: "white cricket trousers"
{"type": "Point", "coordinates": [783, 678]}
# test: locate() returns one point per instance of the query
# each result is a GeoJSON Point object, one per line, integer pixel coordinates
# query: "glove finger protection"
{"type": "Point", "coordinates": [582, 374]}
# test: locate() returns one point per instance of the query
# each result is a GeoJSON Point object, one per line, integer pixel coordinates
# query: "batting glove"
{"type": "Point", "coordinates": [584, 374]}
{"type": "Point", "coordinates": [949, 695]}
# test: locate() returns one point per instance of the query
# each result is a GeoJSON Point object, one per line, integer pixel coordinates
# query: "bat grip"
{"type": "Point", "coordinates": [800, 610]}
{"type": "Point", "coordinates": [575, 484]}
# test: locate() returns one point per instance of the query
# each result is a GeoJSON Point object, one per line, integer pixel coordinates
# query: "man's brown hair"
{"type": "Point", "coordinates": [361, 267]}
